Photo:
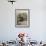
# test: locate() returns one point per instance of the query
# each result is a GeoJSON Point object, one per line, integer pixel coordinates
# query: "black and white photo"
{"type": "Point", "coordinates": [22, 18]}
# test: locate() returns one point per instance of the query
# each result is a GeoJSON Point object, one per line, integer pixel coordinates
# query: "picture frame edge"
{"type": "Point", "coordinates": [28, 19]}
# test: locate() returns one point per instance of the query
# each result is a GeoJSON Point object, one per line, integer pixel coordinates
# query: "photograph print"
{"type": "Point", "coordinates": [22, 18]}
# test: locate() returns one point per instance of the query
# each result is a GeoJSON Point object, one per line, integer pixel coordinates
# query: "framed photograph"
{"type": "Point", "coordinates": [22, 18]}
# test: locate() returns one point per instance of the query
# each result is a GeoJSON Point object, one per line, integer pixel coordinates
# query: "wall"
{"type": "Point", "coordinates": [37, 29]}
